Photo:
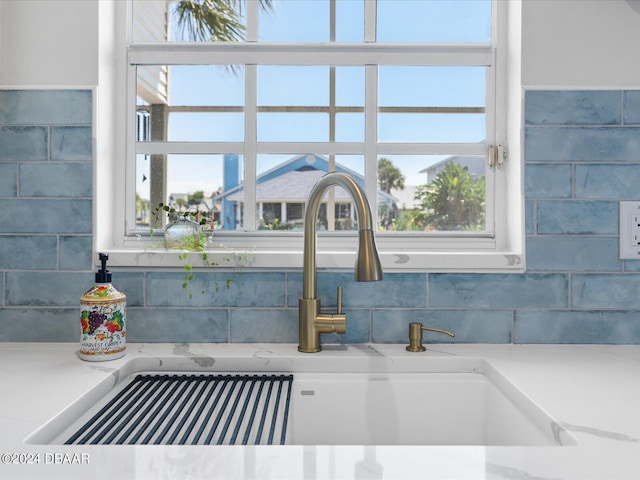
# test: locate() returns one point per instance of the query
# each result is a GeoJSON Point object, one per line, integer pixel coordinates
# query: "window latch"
{"type": "Point", "coordinates": [497, 155]}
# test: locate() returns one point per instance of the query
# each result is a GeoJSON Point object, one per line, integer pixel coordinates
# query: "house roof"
{"type": "Point", "coordinates": [289, 187]}
{"type": "Point", "coordinates": [292, 180]}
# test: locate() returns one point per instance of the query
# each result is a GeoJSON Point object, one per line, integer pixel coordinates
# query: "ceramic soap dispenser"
{"type": "Point", "coordinates": [103, 311]}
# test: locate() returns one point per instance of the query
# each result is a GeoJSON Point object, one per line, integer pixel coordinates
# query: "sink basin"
{"type": "Point", "coordinates": [402, 400]}
{"type": "Point", "coordinates": [440, 408]}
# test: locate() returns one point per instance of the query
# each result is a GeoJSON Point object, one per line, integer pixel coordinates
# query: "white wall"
{"type": "Point", "coordinates": [581, 43]}
{"type": "Point", "coordinates": [49, 42]}
{"type": "Point", "coordinates": [572, 43]}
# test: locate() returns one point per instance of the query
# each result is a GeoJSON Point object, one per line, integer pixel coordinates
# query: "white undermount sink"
{"type": "Point", "coordinates": [439, 408]}
{"type": "Point", "coordinates": [404, 400]}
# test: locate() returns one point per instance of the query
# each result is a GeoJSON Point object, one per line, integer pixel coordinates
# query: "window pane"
{"type": "Point", "coordinates": [206, 127]}
{"type": "Point", "coordinates": [435, 21]}
{"type": "Point", "coordinates": [210, 85]}
{"type": "Point", "coordinates": [309, 21]}
{"type": "Point", "coordinates": [159, 21]}
{"type": "Point", "coordinates": [439, 128]}
{"type": "Point", "coordinates": [295, 21]}
{"type": "Point", "coordinates": [431, 193]}
{"type": "Point", "coordinates": [431, 104]}
{"type": "Point", "coordinates": [350, 86]}
{"type": "Point", "coordinates": [350, 21]}
{"type": "Point", "coordinates": [411, 86]}
{"type": "Point", "coordinates": [350, 127]}
{"type": "Point", "coordinates": [286, 86]}
{"type": "Point", "coordinates": [190, 22]}
{"type": "Point", "coordinates": [293, 127]}
{"type": "Point", "coordinates": [143, 191]}
{"type": "Point", "coordinates": [190, 103]}
{"type": "Point", "coordinates": [295, 104]}
{"type": "Point", "coordinates": [283, 21]}
{"type": "Point", "coordinates": [284, 184]}
{"type": "Point", "coordinates": [205, 183]}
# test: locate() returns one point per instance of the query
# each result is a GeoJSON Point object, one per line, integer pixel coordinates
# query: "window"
{"type": "Point", "coordinates": [405, 96]}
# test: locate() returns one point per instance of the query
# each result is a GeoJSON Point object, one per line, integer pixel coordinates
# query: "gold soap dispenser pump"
{"type": "Point", "coordinates": [415, 336]}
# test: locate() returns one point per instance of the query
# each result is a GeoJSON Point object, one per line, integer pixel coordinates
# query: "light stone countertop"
{"type": "Point", "coordinates": [592, 390]}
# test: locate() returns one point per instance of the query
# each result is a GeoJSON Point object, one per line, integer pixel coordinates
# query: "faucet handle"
{"type": "Point", "coordinates": [415, 336]}
{"type": "Point", "coordinates": [332, 322]}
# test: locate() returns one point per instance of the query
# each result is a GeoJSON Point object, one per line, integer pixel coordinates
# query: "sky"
{"type": "Point", "coordinates": [398, 21]}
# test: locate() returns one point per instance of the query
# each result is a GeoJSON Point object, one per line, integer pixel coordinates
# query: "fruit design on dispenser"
{"type": "Point", "coordinates": [91, 321]}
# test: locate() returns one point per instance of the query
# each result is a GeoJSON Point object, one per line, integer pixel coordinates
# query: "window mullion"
{"type": "Point", "coordinates": [250, 147]}
{"type": "Point", "coordinates": [130, 141]}
{"type": "Point", "coordinates": [371, 135]}
{"type": "Point", "coordinates": [370, 8]}
{"type": "Point", "coordinates": [311, 54]}
{"type": "Point", "coordinates": [253, 9]}
{"type": "Point", "coordinates": [491, 138]}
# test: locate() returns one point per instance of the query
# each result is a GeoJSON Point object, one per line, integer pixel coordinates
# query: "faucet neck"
{"type": "Point", "coordinates": [365, 224]}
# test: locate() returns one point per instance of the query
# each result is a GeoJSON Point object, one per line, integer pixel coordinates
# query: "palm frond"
{"type": "Point", "coordinates": [213, 20]}
{"type": "Point", "coordinates": [209, 20]}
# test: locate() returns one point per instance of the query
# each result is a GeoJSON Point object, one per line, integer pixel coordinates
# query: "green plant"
{"type": "Point", "coordinates": [197, 243]}
{"type": "Point", "coordinates": [454, 200]}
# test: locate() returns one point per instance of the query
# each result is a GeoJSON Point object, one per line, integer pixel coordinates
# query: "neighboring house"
{"type": "Point", "coordinates": [406, 198]}
{"type": "Point", "coordinates": [179, 201]}
{"type": "Point", "coordinates": [475, 164]}
{"type": "Point", "coordinates": [281, 193]}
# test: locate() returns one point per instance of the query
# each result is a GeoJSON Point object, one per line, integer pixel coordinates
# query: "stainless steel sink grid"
{"type": "Point", "coordinates": [192, 409]}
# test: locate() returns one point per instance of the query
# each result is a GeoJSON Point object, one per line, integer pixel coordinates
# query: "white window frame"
{"type": "Point", "coordinates": [441, 252]}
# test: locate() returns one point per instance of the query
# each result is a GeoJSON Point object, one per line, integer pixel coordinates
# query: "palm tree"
{"type": "Point", "coordinates": [213, 20]}
{"type": "Point", "coordinates": [389, 176]}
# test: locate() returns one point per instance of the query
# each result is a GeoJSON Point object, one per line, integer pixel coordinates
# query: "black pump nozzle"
{"type": "Point", "coordinates": [103, 275]}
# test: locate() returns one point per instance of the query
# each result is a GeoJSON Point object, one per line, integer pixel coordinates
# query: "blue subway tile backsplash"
{"type": "Point", "coordinates": [614, 291]}
{"type": "Point", "coordinates": [8, 179]}
{"type": "Point", "coordinates": [45, 107]}
{"type": "Point", "coordinates": [607, 181]}
{"type": "Point", "coordinates": [582, 155]}
{"type": "Point", "coordinates": [28, 252]}
{"type": "Point", "coordinates": [577, 326]}
{"type": "Point", "coordinates": [176, 325]}
{"type": "Point", "coordinates": [631, 99]}
{"type": "Point", "coordinates": [487, 290]}
{"type": "Point", "coordinates": [577, 217]}
{"type": "Point", "coordinates": [573, 107]}
{"type": "Point", "coordinates": [23, 144]}
{"type": "Point", "coordinates": [572, 253]}
{"type": "Point", "coordinates": [55, 180]}
{"type": "Point", "coordinates": [71, 144]}
{"type": "Point", "coordinates": [548, 180]}
{"type": "Point", "coordinates": [264, 325]}
{"type": "Point", "coordinates": [50, 215]}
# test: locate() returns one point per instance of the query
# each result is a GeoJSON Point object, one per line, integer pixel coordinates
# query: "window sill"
{"type": "Point", "coordinates": [329, 257]}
